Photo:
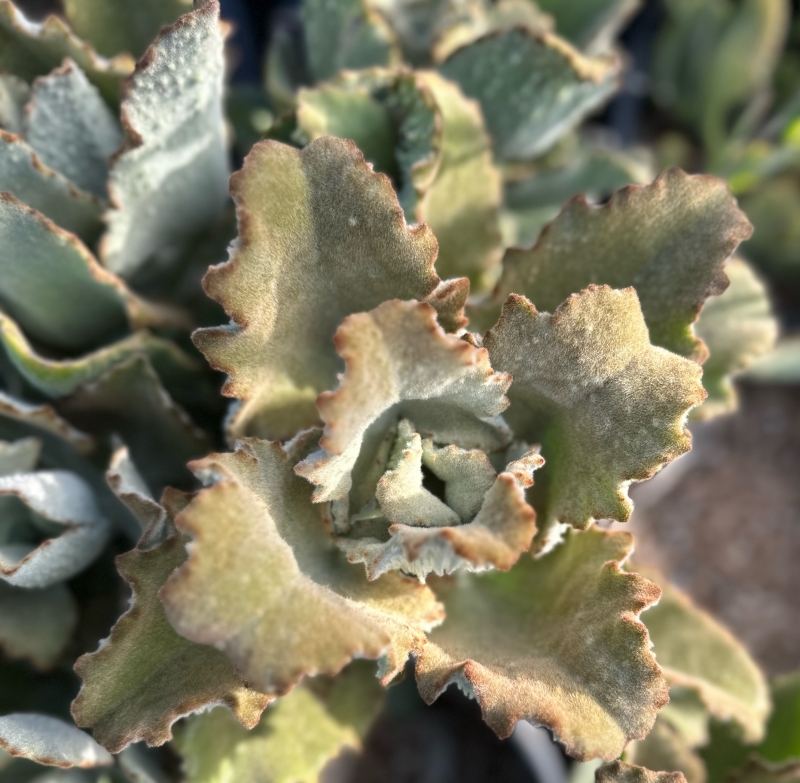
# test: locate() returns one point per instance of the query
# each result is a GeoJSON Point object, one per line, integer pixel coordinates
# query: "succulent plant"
{"type": "Point", "coordinates": [424, 425]}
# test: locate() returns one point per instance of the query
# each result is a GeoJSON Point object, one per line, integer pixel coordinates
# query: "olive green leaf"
{"type": "Point", "coordinates": [50, 741]}
{"type": "Point", "coordinates": [297, 736]}
{"type": "Point", "coordinates": [114, 26]}
{"type": "Point", "coordinates": [71, 128]}
{"type": "Point", "coordinates": [346, 35]}
{"type": "Point", "coordinates": [532, 87]}
{"type": "Point", "coordinates": [608, 407]}
{"type": "Point", "coordinates": [170, 180]}
{"type": "Point", "coordinates": [687, 715]}
{"type": "Point", "coordinates": [265, 583]}
{"type": "Point", "coordinates": [782, 742]}
{"type": "Point", "coordinates": [19, 456]}
{"type": "Point", "coordinates": [694, 651]}
{"type": "Point", "coordinates": [320, 236]}
{"type": "Point", "coordinates": [668, 240]}
{"type": "Point", "coordinates": [555, 641]}
{"type": "Point", "coordinates": [36, 624]}
{"type": "Point", "coordinates": [665, 750]}
{"type": "Point", "coordinates": [737, 327]}
{"type": "Point", "coordinates": [24, 175]}
{"type": "Point", "coordinates": [14, 94]}
{"type": "Point", "coordinates": [47, 295]}
{"type": "Point", "coordinates": [620, 772]}
{"type": "Point", "coordinates": [146, 676]}
{"type": "Point", "coordinates": [592, 25]}
{"type": "Point", "coordinates": [757, 771]}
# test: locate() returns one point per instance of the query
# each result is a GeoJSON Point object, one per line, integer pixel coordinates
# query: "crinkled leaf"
{"type": "Point", "coordinates": [668, 240]}
{"type": "Point", "coordinates": [50, 741]}
{"type": "Point", "coordinates": [14, 94]}
{"type": "Point", "coordinates": [737, 327]}
{"type": "Point", "coordinates": [555, 641]}
{"type": "Point", "coordinates": [48, 294]}
{"type": "Point", "coordinates": [665, 750]}
{"type": "Point", "coordinates": [39, 419]}
{"type": "Point", "coordinates": [620, 772]}
{"type": "Point", "coordinates": [170, 180]}
{"type": "Point", "coordinates": [694, 651]}
{"type": "Point", "coordinates": [114, 26]}
{"type": "Point", "coordinates": [36, 624]}
{"type": "Point", "coordinates": [28, 50]}
{"type": "Point", "coordinates": [71, 128]}
{"type": "Point", "coordinates": [265, 583]}
{"type": "Point", "coordinates": [532, 87]}
{"type": "Point", "coordinates": [146, 676]}
{"type": "Point", "coordinates": [607, 406]}
{"type": "Point", "coordinates": [590, 24]}
{"type": "Point", "coordinates": [24, 175]}
{"type": "Point", "coordinates": [321, 236]}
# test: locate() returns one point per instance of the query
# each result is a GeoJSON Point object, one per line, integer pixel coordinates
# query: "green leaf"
{"type": "Point", "coordinates": [14, 94]}
{"type": "Point", "coordinates": [28, 50]}
{"type": "Point", "coordinates": [114, 26]}
{"type": "Point", "coordinates": [665, 750]}
{"type": "Point", "coordinates": [39, 419]}
{"type": "Point", "coordinates": [50, 741]}
{"type": "Point", "coordinates": [302, 262]}
{"type": "Point", "coordinates": [532, 87]}
{"type": "Point", "coordinates": [265, 583]}
{"type": "Point", "coordinates": [620, 772]}
{"type": "Point", "coordinates": [24, 175]}
{"type": "Point", "coordinates": [140, 766]}
{"type": "Point", "coordinates": [590, 24]}
{"type": "Point", "coordinates": [668, 240]}
{"type": "Point", "coordinates": [756, 771]}
{"type": "Point", "coordinates": [19, 456]}
{"type": "Point", "coordinates": [782, 742]}
{"type": "Point", "coordinates": [169, 182]}
{"type": "Point", "coordinates": [607, 406]}
{"type": "Point", "coordinates": [555, 641]}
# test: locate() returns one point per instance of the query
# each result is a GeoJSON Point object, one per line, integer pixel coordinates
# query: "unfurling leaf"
{"type": "Point", "coordinates": [620, 772]}
{"type": "Point", "coordinates": [321, 236]}
{"type": "Point", "coordinates": [555, 641]}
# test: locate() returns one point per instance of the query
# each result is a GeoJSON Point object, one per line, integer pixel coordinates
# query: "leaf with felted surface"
{"type": "Point", "coordinates": [24, 175]}
{"type": "Point", "coordinates": [665, 750]}
{"type": "Point", "coordinates": [14, 94]}
{"type": "Point", "coordinates": [737, 327]}
{"type": "Point", "coordinates": [532, 87]}
{"type": "Point", "coordinates": [146, 676]}
{"type": "Point", "coordinates": [555, 641]}
{"type": "Point", "coordinates": [47, 295]}
{"type": "Point", "coordinates": [265, 583]}
{"type": "Point", "coordinates": [694, 651]}
{"type": "Point", "coordinates": [170, 180]}
{"type": "Point", "coordinates": [620, 772]}
{"type": "Point", "coordinates": [668, 240]}
{"type": "Point", "coordinates": [50, 741]}
{"type": "Point", "coordinates": [606, 405]}
{"type": "Point", "coordinates": [29, 49]}
{"type": "Point", "coordinates": [321, 236]}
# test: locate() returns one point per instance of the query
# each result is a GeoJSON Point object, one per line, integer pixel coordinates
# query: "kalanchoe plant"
{"type": "Point", "coordinates": [425, 424]}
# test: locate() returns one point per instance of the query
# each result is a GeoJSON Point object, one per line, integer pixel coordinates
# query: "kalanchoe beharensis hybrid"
{"type": "Point", "coordinates": [426, 422]}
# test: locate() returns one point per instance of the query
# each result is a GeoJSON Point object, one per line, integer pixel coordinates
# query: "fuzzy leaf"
{"type": "Point", "coordinates": [555, 641]}
{"type": "Point", "coordinates": [265, 583]}
{"type": "Point", "coordinates": [607, 406]}
{"type": "Point", "coordinates": [668, 240]}
{"type": "Point", "coordinates": [665, 750]}
{"type": "Point", "coordinates": [14, 94]}
{"type": "Point", "coordinates": [71, 128]}
{"type": "Point", "coordinates": [756, 771]}
{"type": "Point", "coordinates": [41, 418]}
{"type": "Point", "coordinates": [146, 676]}
{"type": "Point", "coordinates": [47, 295]}
{"type": "Point", "coordinates": [620, 772]}
{"type": "Point", "coordinates": [532, 87]}
{"type": "Point", "coordinates": [50, 741]}
{"type": "Point", "coordinates": [24, 175]}
{"type": "Point", "coordinates": [114, 26]}
{"type": "Point", "coordinates": [170, 181]}
{"type": "Point", "coordinates": [694, 651]}
{"type": "Point", "coordinates": [303, 261]}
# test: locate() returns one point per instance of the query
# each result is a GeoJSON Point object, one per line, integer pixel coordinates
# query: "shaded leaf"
{"type": "Point", "coordinates": [140, 766]}
{"type": "Point", "coordinates": [532, 87]}
{"type": "Point", "coordinates": [19, 456]}
{"type": "Point", "coordinates": [169, 182]}
{"type": "Point", "coordinates": [291, 604]}
{"type": "Point", "coordinates": [14, 94]}
{"type": "Point", "coordinates": [607, 406]}
{"type": "Point", "coordinates": [590, 24]}
{"type": "Point", "coordinates": [620, 772]}
{"type": "Point", "coordinates": [665, 750]}
{"type": "Point", "coordinates": [555, 641]}
{"type": "Point", "coordinates": [782, 742]}
{"type": "Point", "coordinates": [756, 771]}
{"type": "Point", "coordinates": [321, 236]}
{"type": "Point", "coordinates": [41, 418]}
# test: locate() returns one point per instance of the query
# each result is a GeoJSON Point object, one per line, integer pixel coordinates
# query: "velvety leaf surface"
{"type": "Point", "coordinates": [146, 676]}
{"type": "Point", "coordinates": [665, 750]}
{"type": "Point", "coordinates": [320, 236]}
{"type": "Point", "coordinates": [28, 50]}
{"type": "Point", "coordinates": [114, 26]}
{"type": "Point", "coordinates": [607, 406]}
{"type": "Point", "coordinates": [555, 641]}
{"type": "Point", "coordinates": [532, 87]}
{"type": "Point", "coordinates": [71, 128]}
{"type": "Point", "coordinates": [265, 583]}
{"type": "Point", "coordinates": [24, 175]}
{"type": "Point", "coordinates": [170, 180]}
{"type": "Point", "coordinates": [50, 741]}
{"type": "Point", "coordinates": [40, 419]}
{"type": "Point", "coordinates": [668, 240]}
{"type": "Point", "coordinates": [620, 772]}
{"type": "Point", "coordinates": [694, 651]}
